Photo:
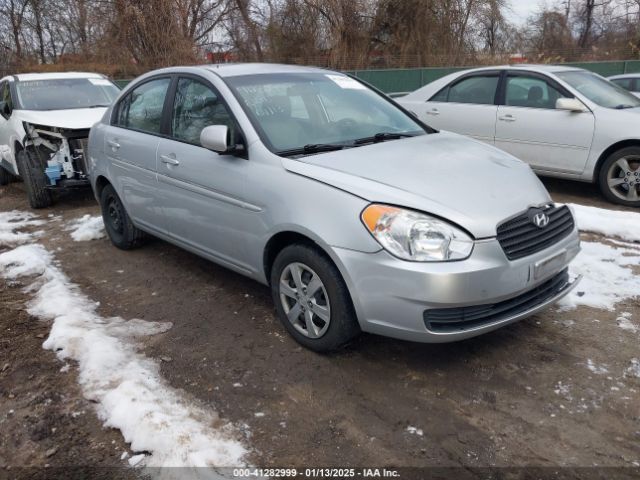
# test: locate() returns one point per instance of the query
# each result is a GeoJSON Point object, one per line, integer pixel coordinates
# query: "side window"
{"type": "Point", "coordinates": [141, 109]}
{"type": "Point", "coordinates": [197, 106]}
{"type": "Point", "coordinates": [626, 83]}
{"type": "Point", "coordinates": [531, 92]}
{"type": "Point", "coordinates": [480, 89]}
{"type": "Point", "coordinates": [441, 96]}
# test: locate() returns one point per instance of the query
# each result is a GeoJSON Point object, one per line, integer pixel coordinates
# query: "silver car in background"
{"type": "Point", "coordinates": [563, 121]}
{"type": "Point", "coordinates": [358, 216]}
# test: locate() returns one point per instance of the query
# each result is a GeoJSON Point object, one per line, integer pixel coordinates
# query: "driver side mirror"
{"type": "Point", "coordinates": [216, 138]}
{"type": "Point", "coordinates": [571, 104]}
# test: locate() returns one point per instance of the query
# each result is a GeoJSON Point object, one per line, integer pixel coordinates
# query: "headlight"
{"type": "Point", "coordinates": [416, 236]}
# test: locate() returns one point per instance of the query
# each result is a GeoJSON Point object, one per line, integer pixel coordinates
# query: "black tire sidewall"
{"type": "Point", "coordinates": [39, 196]}
{"type": "Point", "coordinates": [129, 237]}
{"type": "Point", "coordinates": [343, 325]}
{"type": "Point", "coordinates": [5, 176]}
{"type": "Point", "coordinates": [602, 177]}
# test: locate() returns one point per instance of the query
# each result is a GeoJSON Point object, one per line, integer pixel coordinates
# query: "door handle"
{"type": "Point", "coordinates": [113, 144]}
{"type": "Point", "coordinates": [507, 118]}
{"type": "Point", "coordinates": [433, 111]}
{"type": "Point", "coordinates": [169, 159]}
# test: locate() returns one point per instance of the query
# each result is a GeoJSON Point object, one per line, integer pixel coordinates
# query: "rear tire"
{"type": "Point", "coordinates": [619, 178]}
{"type": "Point", "coordinates": [31, 169]}
{"type": "Point", "coordinates": [327, 310]}
{"type": "Point", "coordinates": [5, 177]}
{"type": "Point", "coordinates": [120, 229]}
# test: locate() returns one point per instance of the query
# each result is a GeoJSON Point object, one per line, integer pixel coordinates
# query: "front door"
{"type": "Point", "coordinates": [532, 129]}
{"type": "Point", "coordinates": [202, 191]}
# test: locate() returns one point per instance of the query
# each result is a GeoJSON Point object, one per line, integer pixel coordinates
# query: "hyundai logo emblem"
{"type": "Point", "coordinates": [540, 219]}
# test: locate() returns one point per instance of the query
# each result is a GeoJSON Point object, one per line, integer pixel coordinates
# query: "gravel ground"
{"type": "Point", "coordinates": [521, 396]}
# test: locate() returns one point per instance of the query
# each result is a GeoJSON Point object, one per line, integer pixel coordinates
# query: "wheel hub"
{"type": "Point", "coordinates": [304, 300]}
{"type": "Point", "coordinates": [623, 178]}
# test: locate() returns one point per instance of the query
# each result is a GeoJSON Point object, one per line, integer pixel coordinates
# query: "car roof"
{"type": "Point", "coordinates": [532, 67]}
{"type": "Point", "coordinates": [625, 75]}
{"type": "Point", "coordinates": [21, 77]}
{"type": "Point", "coordinates": [236, 69]}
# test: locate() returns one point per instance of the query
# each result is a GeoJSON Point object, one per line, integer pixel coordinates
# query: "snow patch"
{"type": "Point", "coordinates": [625, 323]}
{"type": "Point", "coordinates": [12, 222]}
{"type": "Point", "coordinates": [415, 431]}
{"type": "Point", "coordinates": [86, 228]}
{"type": "Point", "coordinates": [129, 392]}
{"type": "Point", "coordinates": [608, 277]}
{"type": "Point", "coordinates": [597, 369]}
{"type": "Point", "coordinates": [611, 223]}
{"type": "Point", "coordinates": [634, 369]}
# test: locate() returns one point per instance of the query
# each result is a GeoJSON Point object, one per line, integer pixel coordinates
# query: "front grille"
{"type": "Point", "coordinates": [450, 320]}
{"type": "Point", "coordinates": [520, 237]}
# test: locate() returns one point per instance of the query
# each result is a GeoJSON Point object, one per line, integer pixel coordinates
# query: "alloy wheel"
{"type": "Point", "coordinates": [623, 178]}
{"type": "Point", "coordinates": [305, 300]}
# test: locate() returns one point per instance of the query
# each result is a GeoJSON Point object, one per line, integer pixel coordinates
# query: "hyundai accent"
{"type": "Point", "coordinates": [357, 215]}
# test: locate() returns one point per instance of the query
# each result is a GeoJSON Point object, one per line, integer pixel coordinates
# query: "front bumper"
{"type": "Point", "coordinates": [392, 297]}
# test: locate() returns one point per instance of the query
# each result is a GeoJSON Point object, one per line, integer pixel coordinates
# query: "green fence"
{"type": "Point", "coordinates": [409, 79]}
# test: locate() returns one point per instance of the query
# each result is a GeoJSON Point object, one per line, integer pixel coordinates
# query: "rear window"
{"type": "Point", "coordinates": [478, 89]}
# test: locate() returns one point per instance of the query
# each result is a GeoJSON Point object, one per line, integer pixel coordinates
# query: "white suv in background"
{"type": "Point", "coordinates": [44, 125]}
{"type": "Point", "coordinates": [562, 121]}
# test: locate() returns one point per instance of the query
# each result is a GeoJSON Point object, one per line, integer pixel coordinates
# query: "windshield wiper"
{"type": "Point", "coordinates": [311, 149]}
{"type": "Point", "coordinates": [381, 137]}
{"type": "Point", "coordinates": [623, 106]}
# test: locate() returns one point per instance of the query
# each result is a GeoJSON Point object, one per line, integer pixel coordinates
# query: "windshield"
{"type": "Point", "coordinates": [294, 110]}
{"type": "Point", "coordinates": [599, 90]}
{"type": "Point", "coordinates": [62, 94]}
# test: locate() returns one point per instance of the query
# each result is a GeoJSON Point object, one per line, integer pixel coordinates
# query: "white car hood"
{"type": "Point", "coordinates": [74, 119]}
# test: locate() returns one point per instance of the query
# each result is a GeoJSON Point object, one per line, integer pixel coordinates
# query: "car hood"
{"type": "Point", "coordinates": [75, 118]}
{"type": "Point", "coordinates": [469, 183]}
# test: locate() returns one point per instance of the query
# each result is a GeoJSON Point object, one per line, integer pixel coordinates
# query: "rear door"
{"type": "Point", "coordinates": [532, 129]}
{"type": "Point", "coordinates": [203, 192]}
{"type": "Point", "coordinates": [131, 143]}
{"type": "Point", "coordinates": [466, 106]}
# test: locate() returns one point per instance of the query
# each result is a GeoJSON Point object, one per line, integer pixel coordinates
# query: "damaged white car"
{"type": "Point", "coordinates": [45, 120]}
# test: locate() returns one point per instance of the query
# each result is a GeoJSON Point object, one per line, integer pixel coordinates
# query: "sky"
{"type": "Point", "coordinates": [520, 10]}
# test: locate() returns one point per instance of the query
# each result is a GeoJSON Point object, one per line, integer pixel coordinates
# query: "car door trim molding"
{"type": "Point", "coordinates": [560, 145]}
{"type": "Point", "coordinates": [208, 192]}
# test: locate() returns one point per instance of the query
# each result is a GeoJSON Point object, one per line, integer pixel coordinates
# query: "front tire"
{"type": "Point", "coordinates": [31, 169]}
{"type": "Point", "coordinates": [5, 177]}
{"type": "Point", "coordinates": [619, 178]}
{"type": "Point", "coordinates": [311, 299]}
{"type": "Point", "coordinates": [121, 230]}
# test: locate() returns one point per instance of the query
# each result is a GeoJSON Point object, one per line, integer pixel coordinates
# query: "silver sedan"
{"type": "Point", "coordinates": [359, 216]}
{"type": "Point", "coordinates": [564, 122]}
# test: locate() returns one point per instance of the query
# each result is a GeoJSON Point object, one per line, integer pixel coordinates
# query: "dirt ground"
{"type": "Point", "coordinates": [521, 396]}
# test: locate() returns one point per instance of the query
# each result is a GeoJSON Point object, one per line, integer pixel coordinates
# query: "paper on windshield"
{"type": "Point", "coordinates": [346, 82]}
{"type": "Point", "coordinates": [100, 81]}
